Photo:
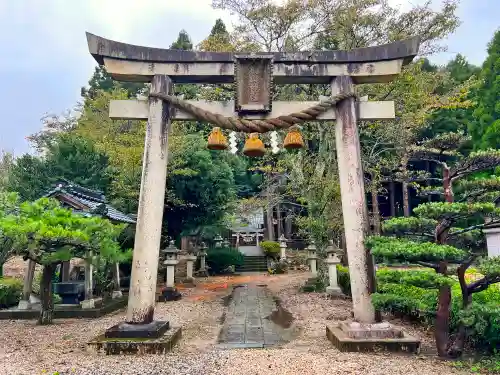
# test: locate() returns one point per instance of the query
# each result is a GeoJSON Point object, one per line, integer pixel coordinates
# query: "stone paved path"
{"type": "Point", "coordinates": [247, 323]}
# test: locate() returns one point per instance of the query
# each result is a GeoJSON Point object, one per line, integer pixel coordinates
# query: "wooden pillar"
{"type": "Point", "coordinates": [89, 268]}
{"type": "Point", "coordinates": [142, 291]}
{"type": "Point", "coordinates": [65, 269]}
{"type": "Point", "coordinates": [353, 200]}
{"type": "Point", "coordinates": [24, 303]}
{"type": "Point", "coordinates": [392, 198]}
{"type": "Point", "coordinates": [117, 292]}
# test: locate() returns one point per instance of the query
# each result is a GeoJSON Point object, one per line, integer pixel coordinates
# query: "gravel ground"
{"type": "Point", "coordinates": [29, 349]}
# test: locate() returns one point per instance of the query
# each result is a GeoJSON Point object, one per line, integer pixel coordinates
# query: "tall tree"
{"type": "Point", "coordinates": [69, 156]}
{"type": "Point", "coordinates": [183, 42]}
{"type": "Point", "coordinates": [486, 130]}
{"type": "Point", "coordinates": [6, 163]}
{"type": "Point", "coordinates": [102, 80]}
{"type": "Point", "coordinates": [8, 204]}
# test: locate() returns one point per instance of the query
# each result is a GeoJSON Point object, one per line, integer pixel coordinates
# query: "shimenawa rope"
{"type": "Point", "coordinates": [254, 126]}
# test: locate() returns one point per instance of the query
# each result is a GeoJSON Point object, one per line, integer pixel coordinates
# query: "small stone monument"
{"type": "Point", "coordinates": [190, 259]}
{"type": "Point", "coordinates": [282, 247]}
{"type": "Point", "coordinates": [492, 240]}
{"type": "Point", "coordinates": [312, 258]}
{"type": "Point", "coordinates": [202, 253]}
{"type": "Point", "coordinates": [218, 241]}
{"type": "Point", "coordinates": [332, 259]}
{"type": "Point", "coordinates": [170, 293]}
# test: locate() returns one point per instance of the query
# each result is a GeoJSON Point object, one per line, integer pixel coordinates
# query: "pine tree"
{"type": "Point", "coordinates": [48, 235]}
{"type": "Point", "coordinates": [183, 42]}
{"type": "Point", "coordinates": [445, 236]}
{"type": "Point", "coordinates": [486, 130]}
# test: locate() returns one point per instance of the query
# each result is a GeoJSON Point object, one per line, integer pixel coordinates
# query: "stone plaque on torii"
{"type": "Point", "coordinates": [252, 111]}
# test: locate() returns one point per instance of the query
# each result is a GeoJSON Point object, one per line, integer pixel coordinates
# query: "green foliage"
{"type": "Point", "coordinates": [183, 42]}
{"type": "Point", "coordinates": [46, 233]}
{"type": "Point", "coordinates": [486, 130]}
{"type": "Point", "coordinates": [219, 259]}
{"type": "Point", "coordinates": [278, 267]}
{"type": "Point", "coordinates": [67, 156]}
{"type": "Point", "coordinates": [270, 248]}
{"type": "Point", "coordinates": [421, 278]}
{"type": "Point", "coordinates": [456, 211]}
{"type": "Point", "coordinates": [10, 291]}
{"type": "Point", "coordinates": [391, 248]}
{"type": "Point", "coordinates": [313, 285]}
{"type": "Point", "coordinates": [101, 81]}
{"type": "Point", "coordinates": [344, 280]}
{"type": "Point", "coordinates": [482, 365]}
{"type": "Point", "coordinates": [200, 186]}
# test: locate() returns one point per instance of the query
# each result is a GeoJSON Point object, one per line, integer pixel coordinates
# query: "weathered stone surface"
{"type": "Point", "coordinates": [382, 330]}
{"type": "Point", "coordinates": [344, 343]}
{"type": "Point", "coordinates": [170, 294]}
{"type": "Point", "coordinates": [100, 47]}
{"type": "Point", "coordinates": [117, 346]}
{"type": "Point", "coordinates": [66, 311]}
{"type": "Point", "coordinates": [253, 319]}
{"type": "Point", "coordinates": [155, 329]}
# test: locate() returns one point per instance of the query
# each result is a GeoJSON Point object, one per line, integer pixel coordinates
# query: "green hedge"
{"type": "Point", "coordinates": [10, 291]}
{"type": "Point", "coordinates": [395, 295]}
{"type": "Point", "coordinates": [219, 259]}
{"type": "Point", "coordinates": [270, 249]}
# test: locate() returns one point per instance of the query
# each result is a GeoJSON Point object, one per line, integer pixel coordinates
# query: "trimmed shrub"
{"type": "Point", "coordinates": [10, 291]}
{"type": "Point", "coordinates": [414, 293]}
{"type": "Point", "coordinates": [270, 249]}
{"type": "Point", "coordinates": [220, 259]}
{"type": "Point", "coordinates": [278, 267]}
{"type": "Point", "coordinates": [344, 280]}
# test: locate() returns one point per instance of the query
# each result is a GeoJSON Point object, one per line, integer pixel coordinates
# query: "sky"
{"type": "Point", "coordinates": [45, 61]}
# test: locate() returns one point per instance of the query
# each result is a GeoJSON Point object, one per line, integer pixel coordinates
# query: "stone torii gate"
{"type": "Point", "coordinates": [252, 111]}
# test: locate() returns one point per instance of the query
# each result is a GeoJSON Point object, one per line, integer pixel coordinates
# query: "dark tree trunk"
{"type": "Point", "coordinates": [392, 199]}
{"type": "Point", "coordinates": [47, 302]}
{"type": "Point", "coordinates": [375, 210]}
{"type": "Point", "coordinates": [279, 219]}
{"type": "Point", "coordinates": [406, 199]}
{"type": "Point", "coordinates": [448, 192]}
{"type": "Point", "coordinates": [458, 345]}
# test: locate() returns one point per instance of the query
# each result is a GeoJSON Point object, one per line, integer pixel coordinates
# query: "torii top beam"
{"type": "Point", "coordinates": [127, 62]}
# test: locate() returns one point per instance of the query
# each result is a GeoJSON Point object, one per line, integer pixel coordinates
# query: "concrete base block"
{"type": "Point", "coordinates": [334, 291]}
{"type": "Point", "coordinates": [120, 346]}
{"type": "Point", "coordinates": [124, 330]}
{"type": "Point", "coordinates": [116, 294]}
{"type": "Point", "coordinates": [170, 294]}
{"type": "Point", "coordinates": [91, 303]}
{"type": "Point", "coordinates": [349, 337]}
{"type": "Point", "coordinates": [24, 305]}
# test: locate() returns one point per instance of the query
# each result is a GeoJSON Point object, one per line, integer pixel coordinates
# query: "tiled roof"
{"type": "Point", "coordinates": [93, 199]}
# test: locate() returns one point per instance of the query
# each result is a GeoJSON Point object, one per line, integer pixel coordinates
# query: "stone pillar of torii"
{"type": "Point", "coordinates": [163, 68]}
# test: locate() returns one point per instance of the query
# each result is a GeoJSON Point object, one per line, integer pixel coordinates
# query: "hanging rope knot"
{"type": "Point", "coordinates": [254, 126]}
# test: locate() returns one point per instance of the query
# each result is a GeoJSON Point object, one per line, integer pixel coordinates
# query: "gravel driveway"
{"type": "Point", "coordinates": [29, 349]}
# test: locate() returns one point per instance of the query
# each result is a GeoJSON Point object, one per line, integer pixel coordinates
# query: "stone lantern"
{"type": "Point", "coordinates": [190, 259]}
{"type": "Point", "coordinates": [332, 259]}
{"type": "Point", "coordinates": [203, 259]}
{"type": "Point", "coordinates": [312, 258]}
{"type": "Point", "coordinates": [226, 243]}
{"type": "Point", "coordinates": [218, 241]}
{"type": "Point", "coordinates": [282, 240]}
{"type": "Point", "coordinates": [171, 253]}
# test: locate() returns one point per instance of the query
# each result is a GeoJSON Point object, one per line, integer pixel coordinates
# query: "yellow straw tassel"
{"type": "Point", "coordinates": [254, 146]}
{"type": "Point", "coordinates": [293, 139]}
{"type": "Point", "coordinates": [217, 140]}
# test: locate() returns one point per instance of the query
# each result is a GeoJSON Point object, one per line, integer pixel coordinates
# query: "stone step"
{"type": "Point", "coordinates": [253, 264]}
